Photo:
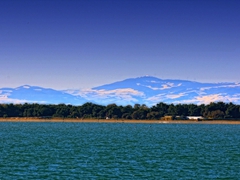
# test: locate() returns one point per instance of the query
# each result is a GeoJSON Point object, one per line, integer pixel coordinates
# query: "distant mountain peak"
{"type": "Point", "coordinates": [147, 90]}
{"type": "Point", "coordinates": [26, 86]}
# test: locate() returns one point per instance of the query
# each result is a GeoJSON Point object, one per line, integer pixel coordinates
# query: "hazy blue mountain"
{"type": "Point", "coordinates": [151, 90]}
{"type": "Point", "coordinates": [143, 90]}
{"type": "Point", "coordinates": [35, 94]}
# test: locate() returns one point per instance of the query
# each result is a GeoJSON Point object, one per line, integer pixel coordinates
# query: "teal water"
{"type": "Point", "coordinates": [119, 151]}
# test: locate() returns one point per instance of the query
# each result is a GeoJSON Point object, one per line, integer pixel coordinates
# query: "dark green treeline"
{"type": "Point", "coordinates": [218, 110]}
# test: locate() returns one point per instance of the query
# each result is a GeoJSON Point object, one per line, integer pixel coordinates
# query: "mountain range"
{"type": "Point", "coordinates": [141, 90]}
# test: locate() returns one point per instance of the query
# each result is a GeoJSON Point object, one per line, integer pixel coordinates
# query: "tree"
{"type": "Point", "coordinates": [161, 108]}
{"type": "Point", "coordinates": [217, 114]}
{"type": "Point", "coordinates": [2, 110]}
{"type": "Point", "coordinates": [28, 112]}
{"type": "Point", "coordinates": [45, 111]}
{"type": "Point", "coordinates": [86, 110]}
{"type": "Point", "coordinates": [172, 110]}
{"type": "Point", "coordinates": [113, 111]}
{"type": "Point", "coordinates": [136, 106]}
{"type": "Point", "coordinates": [233, 111]}
{"type": "Point", "coordinates": [153, 115]}
{"type": "Point", "coordinates": [181, 110]}
{"type": "Point", "coordinates": [194, 110]}
{"type": "Point", "coordinates": [127, 116]}
{"type": "Point", "coordinates": [61, 111]}
{"type": "Point", "coordinates": [13, 110]}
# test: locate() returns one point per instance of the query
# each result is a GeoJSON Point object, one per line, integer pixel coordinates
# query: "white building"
{"type": "Point", "coordinates": [194, 117]}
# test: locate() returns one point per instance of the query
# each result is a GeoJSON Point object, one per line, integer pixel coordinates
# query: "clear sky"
{"type": "Point", "coordinates": [65, 44]}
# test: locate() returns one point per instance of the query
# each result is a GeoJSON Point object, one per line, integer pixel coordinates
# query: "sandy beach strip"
{"type": "Point", "coordinates": [118, 121]}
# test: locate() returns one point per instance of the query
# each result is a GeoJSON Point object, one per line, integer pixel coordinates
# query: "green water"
{"type": "Point", "coordinates": [119, 151]}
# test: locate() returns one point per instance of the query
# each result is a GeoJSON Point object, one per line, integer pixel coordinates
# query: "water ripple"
{"type": "Point", "coordinates": [119, 151]}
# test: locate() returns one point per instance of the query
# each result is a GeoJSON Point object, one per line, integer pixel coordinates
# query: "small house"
{"type": "Point", "coordinates": [194, 117]}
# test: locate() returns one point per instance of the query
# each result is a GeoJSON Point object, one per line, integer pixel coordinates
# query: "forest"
{"type": "Point", "coordinates": [218, 110]}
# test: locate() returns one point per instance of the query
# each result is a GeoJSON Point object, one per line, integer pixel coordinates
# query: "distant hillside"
{"type": "Point", "coordinates": [142, 90]}
{"type": "Point", "coordinates": [35, 94]}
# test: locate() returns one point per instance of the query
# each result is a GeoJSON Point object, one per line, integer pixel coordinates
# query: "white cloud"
{"type": "Point", "coordinates": [121, 94]}
{"type": "Point", "coordinates": [153, 88]}
{"type": "Point", "coordinates": [103, 92]}
{"type": "Point", "coordinates": [217, 97]}
{"type": "Point", "coordinates": [26, 87]}
{"type": "Point", "coordinates": [206, 99]}
{"type": "Point", "coordinates": [169, 86]}
{"type": "Point", "coordinates": [164, 86]}
{"type": "Point", "coordinates": [187, 101]}
{"type": "Point", "coordinates": [4, 98]}
{"type": "Point", "coordinates": [175, 96]}
{"type": "Point", "coordinates": [126, 91]}
{"type": "Point", "coordinates": [5, 93]}
{"type": "Point", "coordinates": [201, 99]}
{"type": "Point", "coordinates": [157, 98]}
{"type": "Point", "coordinates": [205, 88]}
{"type": "Point", "coordinates": [221, 86]}
{"type": "Point", "coordinates": [164, 96]}
{"type": "Point", "coordinates": [153, 81]}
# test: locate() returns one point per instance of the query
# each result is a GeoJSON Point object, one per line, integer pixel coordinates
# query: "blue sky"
{"type": "Point", "coordinates": [81, 44]}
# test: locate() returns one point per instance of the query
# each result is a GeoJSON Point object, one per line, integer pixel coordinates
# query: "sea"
{"type": "Point", "coordinates": [118, 151]}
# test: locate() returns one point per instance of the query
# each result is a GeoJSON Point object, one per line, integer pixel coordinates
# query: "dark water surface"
{"type": "Point", "coordinates": [119, 151]}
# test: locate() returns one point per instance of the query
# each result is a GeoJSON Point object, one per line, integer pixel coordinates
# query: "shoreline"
{"type": "Point", "coordinates": [69, 120]}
